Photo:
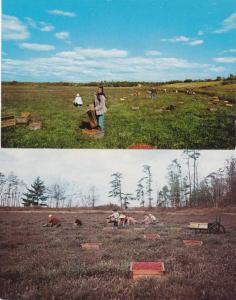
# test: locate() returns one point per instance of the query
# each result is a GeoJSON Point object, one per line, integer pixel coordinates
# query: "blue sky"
{"type": "Point", "coordinates": [86, 40]}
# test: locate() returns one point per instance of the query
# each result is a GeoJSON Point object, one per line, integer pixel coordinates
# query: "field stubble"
{"type": "Point", "coordinates": [48, 263]}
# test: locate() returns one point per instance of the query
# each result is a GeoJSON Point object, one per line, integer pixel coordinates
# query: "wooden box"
{"type": "Point", "coordinates": [92, 118]}
{"type": "Point", "coordinates": [91, 246]}
{"type": "Point", "coordinates": [24, 118]}
{"type": "Point", "coordinates": [198, 225]}
{"type": "Point", "coordinates": [147, 269]}
{"type": "Point", "coordinates": [35, 125]}
{"type": "Point", "coordinates": [192, 243]}
{"type": "Point", "coordinates": [151, 236]}
{"type": "Point", "coordinates": [8, 121]}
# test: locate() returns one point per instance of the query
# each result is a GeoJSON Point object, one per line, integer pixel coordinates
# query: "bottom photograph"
{"type": "Point", "coordinates": [115, 224]}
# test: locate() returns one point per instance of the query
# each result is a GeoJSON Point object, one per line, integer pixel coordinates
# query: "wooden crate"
{"type": "Point", "coordinates": [197, 225]}
{"type": "Point", "coordinates": [35, 125]}
{"type": "Point", "coordinates": [25, 114]}
{"type": "Point", "coordinates": [22, 120]}
{"type": "Point", "coordinates": [90, 132]}
{"type": "Point", "coordinates": [8, 121]}
{"type": "Point", "coordinates": [147, 270]}
{"type": "Point", "coordinates": [91, 246]}
{"type": "Point", "coordinates": [192, 243]}
{"type": "Point", "coordinates": [138, 229]}
{"type": "Point", "coordinates": [92, 118]}
{"type": "Point", "coordinates": [151, 236]}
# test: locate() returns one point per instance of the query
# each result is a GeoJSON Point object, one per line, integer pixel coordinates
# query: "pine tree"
{"type": "Point", "coordinates": [36, 194]}
{"type": "Point", "coordinates": [148, 179]}
{"type": "Point", "coordinates": [116, 191]}
{"type": "Point", "coordinates": [140, 192]}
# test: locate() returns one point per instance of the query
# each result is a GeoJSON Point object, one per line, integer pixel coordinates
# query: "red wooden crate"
{"type": "Point", "coordinates": [147, 269]}
{"type": "Point", "coordinates": [142, 146]}
{"type": "Point", "coordinates": [192, 243]}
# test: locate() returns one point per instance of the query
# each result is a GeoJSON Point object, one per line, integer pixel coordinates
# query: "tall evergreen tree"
{"type": "Point", "coordinates": [140, 193]}
{"type": "Point", "coordinates": [116, 191]}
{"type": "Point", "coordinates": [36, 194]}
{"type": "Point", "coordinates": [148, 179]}
{"type": "Point", "coordinates": [175, 183]}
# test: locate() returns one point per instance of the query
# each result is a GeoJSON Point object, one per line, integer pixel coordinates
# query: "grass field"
{"type": "Point", "coordinates": [47, 263]}
{"type": "Point", "coordinates": [190, 125]}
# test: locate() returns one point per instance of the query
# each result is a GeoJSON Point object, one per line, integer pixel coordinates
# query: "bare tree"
{"type": "Point", "coordinates": [148, 180]}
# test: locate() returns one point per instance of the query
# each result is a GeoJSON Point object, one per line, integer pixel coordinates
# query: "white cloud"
{"type": "Point", "coordinates": [62, 35]}
{"type": "Point", "coordinates": [37, 47]}
{"type": "Point", "coordinates": [61, 13]}
{"type": "Point", "coordinates": [176, 39]}
{"type": "Point", "coordinates": [46, 27]}
{"type": "Point", "coordinates": [225, 59]}
{"type": "Point", "coordinates": [85, 64]}
{"type": "Point", "coordinates": [228, 24]}
{"type": "Point", "coordinates": [184, 40]}
{"type": "Point", "coordinates": [31, 22]}
{"type": "Point", "coordinates": [196, 43]}
{"type": "Point", "coordinates": [153, 53]}
{"type": "Point", "coordinates": [228, 51]}
{"type": "Point", "coordinates": [217, 69]}
{"type": "Point", "coordinates": [200, 33]}
{"type": "Point", "coordinates": [13, 29]}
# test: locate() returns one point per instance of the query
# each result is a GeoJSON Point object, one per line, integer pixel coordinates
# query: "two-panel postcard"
{"type": "Point", "coordinates": [117, 157]}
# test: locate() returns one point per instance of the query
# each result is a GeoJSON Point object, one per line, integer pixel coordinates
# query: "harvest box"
{"type": "Point", "coordinates": [91, 246]}
{"type": "Point", "coordinates": [192, 243]}
{"type": "Point", "coordinates": [147, 269]}
{"type": "Point", "coordinates": [8, 121]}
{"type": "Point", "coordinates": [198, 225]}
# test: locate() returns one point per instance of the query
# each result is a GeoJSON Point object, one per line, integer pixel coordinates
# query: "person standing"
{"type": "Point", "coordinates": [100, 107]}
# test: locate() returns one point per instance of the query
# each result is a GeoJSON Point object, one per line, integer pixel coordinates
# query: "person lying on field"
{"type": "Point", "coordinates": [53, 221]}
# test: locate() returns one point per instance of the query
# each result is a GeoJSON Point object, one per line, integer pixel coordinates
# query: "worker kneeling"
{"type": "Point", "coordinates": [78, 100]}
{"type": "Point", "coordinates": [114, 218]}
{"type": "Point", "coordinates": [52, 221]}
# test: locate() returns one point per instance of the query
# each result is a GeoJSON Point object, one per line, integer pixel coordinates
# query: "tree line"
{"type": "Point", "coordinates": [124, 83]}
{"type": "Point", "coordinates": [14, 192]}
{"type": "Point", "coordinates": [184, 188]}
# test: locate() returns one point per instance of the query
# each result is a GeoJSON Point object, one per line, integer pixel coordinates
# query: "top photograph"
{"type": "Point", "coordinates": [118, 74]}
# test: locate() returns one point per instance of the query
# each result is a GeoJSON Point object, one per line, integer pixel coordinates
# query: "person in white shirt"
{"type": "Point", "coordinates": [78, 100]}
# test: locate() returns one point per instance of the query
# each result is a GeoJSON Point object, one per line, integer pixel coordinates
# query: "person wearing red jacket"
{"type": "Point", "coordinates": [53, 221]}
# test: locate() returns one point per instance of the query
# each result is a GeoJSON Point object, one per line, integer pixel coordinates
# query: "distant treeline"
{"type": "Point", "coordinates": [121, 83]}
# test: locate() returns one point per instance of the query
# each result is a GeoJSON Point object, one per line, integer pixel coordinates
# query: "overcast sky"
{"type": "Point", "coordinates": [86, 40]}
{"type": "Point", "coordinates": [94, 167]}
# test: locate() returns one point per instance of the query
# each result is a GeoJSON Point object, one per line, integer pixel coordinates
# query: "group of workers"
{"type": "Point", "coordinates": [117, 218]}
{"type": "Point", "coordinates": [55, 221]}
